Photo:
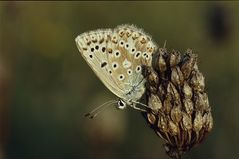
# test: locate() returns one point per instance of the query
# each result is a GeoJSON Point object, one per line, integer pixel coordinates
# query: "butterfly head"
{"type": "Point", "coordinates": [121, 104]}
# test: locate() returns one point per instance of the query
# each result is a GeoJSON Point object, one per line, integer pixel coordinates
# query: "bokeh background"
{"type": "Point", "coordinates": [46, 86]}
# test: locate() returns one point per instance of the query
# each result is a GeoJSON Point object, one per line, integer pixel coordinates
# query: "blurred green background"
{"type": "Point", "coordinates": [46, 86]}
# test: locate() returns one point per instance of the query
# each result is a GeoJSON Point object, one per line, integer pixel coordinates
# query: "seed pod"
{"type": "Point", "coordinates": [174, 58]}
{"type": "Point", "coordinates": [198, 122]}
{"type": "Point", "coordinates": [151, 118]}
{"type": "Point", "coordinates": [154, 102]}
{"type": "Point", "coordinates": [187, 91]}
{"type": "Point", "coordinates": [187, 122]}
{"type": "Point", "coordinates": [171, 89]}
{"type": "Point", "coordinates": [177, 76]}
{"type": "Point", "coordinates": [188, 106]}
{"type": "Point", "coordinates": [173, 128]}
{"type": "Point", "coordinates": [176, 114]}
{"type": "Point", "coordinates": [161, 92]}
{"type": "Point", "coordinates": [167, 105]}
{"type": "Point", "coordinates": [175, 91]}
{"type": "Point", "coordinates": [163, 124]}
{"type": "Point", "coordinates": [197, 81]}
{"type": "Point", "coordinates": [188, 63]}
{"type": "Point", "coordinates": [161, 61]}
{"type": "Point", "coordinates": [201, 101]}
{"type": "Point", "coordinates": [153, 79]}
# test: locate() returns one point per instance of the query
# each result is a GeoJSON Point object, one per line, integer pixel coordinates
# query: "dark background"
{"type": "Point", "coordinates": [46, 86]}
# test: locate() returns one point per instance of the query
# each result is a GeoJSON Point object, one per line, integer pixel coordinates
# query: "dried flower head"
{"type": "Point", "coordinates": [176, 93]}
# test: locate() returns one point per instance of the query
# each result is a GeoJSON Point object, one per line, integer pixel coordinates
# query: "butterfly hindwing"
{"type": "Point", "coordinates": [116, 56]}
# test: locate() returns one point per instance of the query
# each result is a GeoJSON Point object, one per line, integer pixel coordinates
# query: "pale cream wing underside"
{"type": "Point", "coordinates": [96, 58]}
{"type": "Point", "coordinates": [116, 56]}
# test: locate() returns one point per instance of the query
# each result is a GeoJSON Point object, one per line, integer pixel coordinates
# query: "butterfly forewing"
{"type": "Point", "coordinates": [116, 56]}
{"type": "Point", "coordinates": [95, 54]}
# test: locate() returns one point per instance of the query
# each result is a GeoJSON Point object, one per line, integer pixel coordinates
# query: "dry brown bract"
{"type": "Point", "coordinates": [176, 92]}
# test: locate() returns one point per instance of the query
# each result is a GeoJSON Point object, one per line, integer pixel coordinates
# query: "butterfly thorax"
{"type": "Point", "coordinates": [136, 92]}
{"type": "Point", "coordinates": [132, 96]}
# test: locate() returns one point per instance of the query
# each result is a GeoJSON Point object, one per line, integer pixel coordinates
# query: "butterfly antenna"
{"type": "Point", "coordinates": [92, 114]}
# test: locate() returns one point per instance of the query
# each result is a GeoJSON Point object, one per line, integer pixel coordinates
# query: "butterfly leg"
{"type": "Point", "coordinates": [137, 108]}
{"type": "Point", "coordinates": [140, 109]}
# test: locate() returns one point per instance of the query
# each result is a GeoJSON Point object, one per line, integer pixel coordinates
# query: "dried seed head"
{"type": "Point", "coordinates": [176, 93]}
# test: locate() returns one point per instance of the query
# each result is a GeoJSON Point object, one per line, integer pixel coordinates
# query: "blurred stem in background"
{"type": "Point", "coordinates": [6, 63]}
{"type": "Point", "coordinates": [3, 107]}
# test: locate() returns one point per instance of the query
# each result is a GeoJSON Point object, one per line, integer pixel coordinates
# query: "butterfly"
{"type": "Point", "coordinates": [117, 56]}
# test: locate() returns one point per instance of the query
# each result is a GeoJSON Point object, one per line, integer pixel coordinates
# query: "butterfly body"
{"type": "Point", "coordinates": [117, 56]}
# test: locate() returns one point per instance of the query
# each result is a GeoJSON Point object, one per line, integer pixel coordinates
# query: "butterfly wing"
{"type": "Point", "coordinates": [132, 49]}
{"type": "Point", "coordinates": [94, 47]}
{"type": "Point", "coordinates": [116, 57]}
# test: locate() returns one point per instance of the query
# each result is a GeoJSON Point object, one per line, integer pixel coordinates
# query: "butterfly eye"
{"type": "Point", "coordinates": [138, 69]}
{"type": "Point", "coordinates": [137, 55]}
{"type": "Point", "coordinates": [121, 104]}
